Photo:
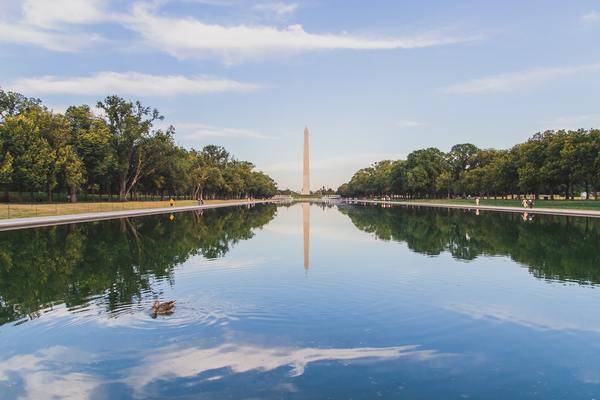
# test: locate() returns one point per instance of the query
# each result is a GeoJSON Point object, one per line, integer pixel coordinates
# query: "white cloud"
{"type": "Point", "coordinates": [278, 8]}
{"type": "Point", "coordinates": [407, 123]}
{"type": "Point", "coordinates": [51, 40]}
{"type": "Point", "coordinates": [61, 25]}
{"type": "Point", "coordinates": [517, 80]}
{"type": "Point", "coordinates": [591, 17]}
{"type": "Point", "coordinates": [45, 23]}
{"type": "Point", "coordinates": [132, 83]}
{"type": "Point", "coordinates": [191, 131]}
{"type": "Point", "coordinates": [50, 14]}
{"type": "Point", "coordinates": [183, 37]}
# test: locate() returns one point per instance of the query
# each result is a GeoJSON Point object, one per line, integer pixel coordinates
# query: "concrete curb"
{"type": "Point", "coordinates": [549, 211]}
{"type": "Point", "coordinates": [34, 222]}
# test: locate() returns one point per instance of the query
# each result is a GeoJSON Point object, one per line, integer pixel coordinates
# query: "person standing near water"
{"type": "Point", "coordinates": [477, 201]}
{"type": "Point", "coordinates": [171, 202]}
{"type": "Point", "coordinates": [525, 203]}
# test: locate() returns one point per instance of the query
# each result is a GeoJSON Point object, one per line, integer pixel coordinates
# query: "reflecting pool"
{"type": "Point", "coordinates": [304, 301]}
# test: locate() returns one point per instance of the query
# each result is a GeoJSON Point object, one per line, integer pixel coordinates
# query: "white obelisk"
{"type": "Point", "coordinates": [306, 165]}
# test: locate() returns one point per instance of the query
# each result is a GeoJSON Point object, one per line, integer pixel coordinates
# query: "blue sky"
{"type": "Point", "coordinates": [372, 80]}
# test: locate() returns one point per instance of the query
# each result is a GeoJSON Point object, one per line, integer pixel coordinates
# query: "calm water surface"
{"type": "Point", "coordinates": [305, 302]}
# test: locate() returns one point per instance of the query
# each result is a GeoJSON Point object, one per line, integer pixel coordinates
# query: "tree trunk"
{"type": "Point", "coordinates": [123, 189]}
{"type": "Point", "coordinates": [73, 195]}
{"type": "Point", "coordinates": [587, 191]}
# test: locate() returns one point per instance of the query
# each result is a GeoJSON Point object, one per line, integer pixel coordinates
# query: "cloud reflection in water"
{"type": "Point", "coordinates": [177, 362]}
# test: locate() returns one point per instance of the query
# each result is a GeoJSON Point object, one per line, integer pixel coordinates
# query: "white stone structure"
{"type": "Point", "coordinates": [306, 165]}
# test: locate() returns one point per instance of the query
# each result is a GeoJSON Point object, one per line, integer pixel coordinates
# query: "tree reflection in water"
{"type": "Point", "coordinates": [552, 247]}
{"type": "Point", "coordinates": [118, 259]}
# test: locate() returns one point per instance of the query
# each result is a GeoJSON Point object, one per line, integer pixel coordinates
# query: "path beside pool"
{"type": "Point", "coordinates": [520, 210]}
{"type": "Point", "coordinates": [34, 222]}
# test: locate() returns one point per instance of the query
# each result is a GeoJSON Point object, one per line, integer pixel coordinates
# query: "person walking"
{"type": "Point", "coordinates": [171, 202]}
{"type": "Point", "coordinates": [524, 202]}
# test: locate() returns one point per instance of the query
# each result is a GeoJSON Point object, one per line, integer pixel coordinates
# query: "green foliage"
{"type": "Point", "coordinates": [90, 138]}
{"type": "Point", "coordinates": [6, 168]}
{"type": "Point", "coordinates": [117, 152]}
{"type": "Point", "coordinates": [12, 103]}
{"type": "Point", "coordinates": [551, 162]}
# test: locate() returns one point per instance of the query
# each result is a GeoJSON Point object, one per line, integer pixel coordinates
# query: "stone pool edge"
{"type": "Point", "coordinates": [36, 222]}
{"type": "Point", "coordinates": [520, 210]}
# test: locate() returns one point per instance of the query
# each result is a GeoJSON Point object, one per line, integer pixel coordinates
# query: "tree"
{"type": "Point", "coordinates": [6, 169]}
{"type": "Point", "coordinates": [120, 150]}
{"type": "Point", "coordinates": [531, 158]}
{"type": "Point", "coordinates": [33, 159]}
{"type": "Point", "coordinates": [550, 162]}
{"type": "Point", "coordinates": [206, 170]}
{"type": "Point", "coordinates": [12, 103]}
{"type": "Point", "coordinates": [423, 169]}
{"type": "Point", "coordinates": [90, 138]}
{"type": "Point", "coordinates": [71, 170]}
{"type": "Point", "coordinates": [130, 127]}
{"type": "Point", "coordinates": [262, 185]}
{"type": "Point", "coordinates": [444, 182]}
{"type": "Point", "coordinates": [459, 160]}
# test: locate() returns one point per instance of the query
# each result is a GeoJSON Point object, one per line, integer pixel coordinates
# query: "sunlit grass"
{"type": "Point", "coordinates": [41, 210]}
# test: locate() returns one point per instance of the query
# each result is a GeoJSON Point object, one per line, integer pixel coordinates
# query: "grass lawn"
{"type": "Point", "coordinates": [8, 210]}
{"type": "Point", "coordinates": [564, 204]}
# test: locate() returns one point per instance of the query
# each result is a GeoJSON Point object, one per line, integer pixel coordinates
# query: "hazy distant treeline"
{"type": "Point", "coordinates": [118, 152]}
{"type": "Point", "coordinates": [552, 162]}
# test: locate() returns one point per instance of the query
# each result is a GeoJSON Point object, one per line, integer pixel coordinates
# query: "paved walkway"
{"type": "Point", "coordinates": [552, 211]}
{"type": "Point", "coordinates": [31, 222]}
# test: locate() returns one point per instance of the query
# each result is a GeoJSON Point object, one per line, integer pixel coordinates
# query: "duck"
{"type": "Point", "coordinates": [165, 308]}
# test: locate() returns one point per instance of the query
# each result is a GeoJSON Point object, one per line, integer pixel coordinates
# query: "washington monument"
{"type": "Point", "coordinates": [306, 165]}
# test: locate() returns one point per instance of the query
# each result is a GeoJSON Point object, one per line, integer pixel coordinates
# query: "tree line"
{"type": "Point", "coordinates": [551, 163]}
{"type": "Point", "coordinates": [118, 152]}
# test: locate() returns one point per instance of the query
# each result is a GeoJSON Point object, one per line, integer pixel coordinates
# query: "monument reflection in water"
{"type": "Point", "coordinates": [306, 233]}
{"type": "Point", "coordinates": [399, 303]}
